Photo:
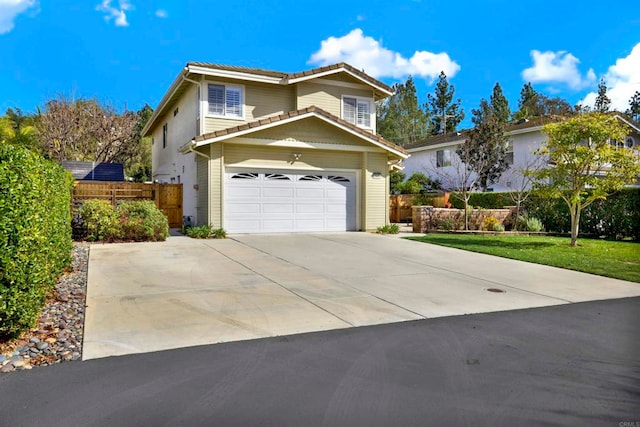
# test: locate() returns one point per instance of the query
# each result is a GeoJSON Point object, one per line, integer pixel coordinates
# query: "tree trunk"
{"type": "Point", "coordinates": [575, 224]}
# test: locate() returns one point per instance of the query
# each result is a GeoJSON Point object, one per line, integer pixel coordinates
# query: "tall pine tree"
{"type": "Point", "coordinates": [400, 118]}
{"type": "Point", "coordinates": [634, 107]}
{"type": "Point", "coordinates": [499, 104]}
{"type": "Point", "coordinates": [487, 145]}
{"type": "Point", "coordinates": [603, 102]}
{"type": "Point", "coordinates": [444, 113]}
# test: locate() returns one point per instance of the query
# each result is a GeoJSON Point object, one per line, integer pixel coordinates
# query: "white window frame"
{"type": "Point", "coordinates": [445, 163]}
{"type": "Point", "coordinates": [359, 100]}
{"type": "Point", "coordinates": [224, 114]}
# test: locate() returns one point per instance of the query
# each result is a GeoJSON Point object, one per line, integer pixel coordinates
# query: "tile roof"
{"type": "Point", "coordinates": [290, 76]}
{"type": "Point", "coordinates": [313, 110]}
{"type": "Point", "coordinates": [511, 127]}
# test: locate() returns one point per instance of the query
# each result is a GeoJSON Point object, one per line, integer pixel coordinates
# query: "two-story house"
{"type": "Point", "coordinates": [436, 156]}
{"type": "Point", "coordinates": [265, 151]}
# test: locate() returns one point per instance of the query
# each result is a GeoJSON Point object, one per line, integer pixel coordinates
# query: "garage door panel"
{"type": "Point", "coordinates": [310, 208]}
{"type": "Point", "coordinates": [271, 201]}
{"type": "Point", "coordinates": [240, 191]}
{"type": "Point", "coordinates": [244, 209]}
{"type": "Point", "coordinates": [277, 192]}
{"type": "Point", "coordinates": [309, 193]}
{"type": "Point", "coordinates": [276, 225]}
{"type": "Point", "coordinates": [277, 208]}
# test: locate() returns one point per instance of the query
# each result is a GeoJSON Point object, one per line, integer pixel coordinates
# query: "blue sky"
{"type": "Point", "coordinates": [127, 53]}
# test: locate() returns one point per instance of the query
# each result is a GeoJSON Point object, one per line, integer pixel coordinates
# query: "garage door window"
{"type": "Point", "coordinates": [245, 175]}
{"type": "Point", "coordinates": [310, 178]}
{"type": "Point", "coordinates": [335, 178]}
{"type": "Point", "coordinates": [277, 177]}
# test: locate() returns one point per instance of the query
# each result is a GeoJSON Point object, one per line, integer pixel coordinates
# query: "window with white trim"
{"type": "Point", "coordinates": [357, 111]}
{"type": "Point", "coordinates": [443, 158]}
{"type": "Point", "coordinates": [509, 157]}
{"type": "Point", "coordinates": [224, 101]}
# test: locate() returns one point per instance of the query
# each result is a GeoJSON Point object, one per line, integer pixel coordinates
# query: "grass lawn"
{"type": "Point", "coordinates": [620, 260]}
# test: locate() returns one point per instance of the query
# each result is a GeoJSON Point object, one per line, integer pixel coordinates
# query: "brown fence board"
{"type": "Point", "coordinates": [167, 197]}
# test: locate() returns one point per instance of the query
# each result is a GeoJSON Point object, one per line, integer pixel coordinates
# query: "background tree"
{"type": "Point", "coordinates": [499, 104]}
{"type": "Point", "coordinates": [487, 145]}
{"type": "Point", "coordinates": [138, 166]}
{"type": "Point", "coordinates": [602, 102]}
{"type": "Point", "coordinates": [444, 114]}
{"type": "Point", "coordinates": [400, 118]}
{"type": "Point", "coordinates": [396, 178]}
{"type": "Point", "coordinates": [528, 102]}
{"type": "Point", "coordinates": [634, 107]}
{"type": "Point", "coordinates": [583, 166]}
{"type": "Point", "coordinates": [533, 104]}
{"type": "Point", "coordinates": [85, 130]}
{"type": "Point", "coordinates": [16, 128]}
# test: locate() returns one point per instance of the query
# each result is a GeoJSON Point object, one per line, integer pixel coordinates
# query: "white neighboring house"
{"type": "Point", "coordinates": [436, 156]}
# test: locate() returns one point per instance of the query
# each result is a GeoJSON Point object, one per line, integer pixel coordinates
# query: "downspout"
{"type": "Point", "coordinates": [191, 149]}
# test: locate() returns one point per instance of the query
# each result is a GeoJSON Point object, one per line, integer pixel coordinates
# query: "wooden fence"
{"type": "Point", "coordinates": [400, 205]}
{"type": "Point", "coordinates": [167, 197]}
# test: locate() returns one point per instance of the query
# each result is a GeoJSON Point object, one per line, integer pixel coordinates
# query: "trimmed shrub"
{"type": "Point", "coordinates": [142, 221]}
{"type": "Point", "coordinates": [139, 221]}
{"type": "Point", "coordinates": [389, 229]}
{"type": "Point", "coordinates": [616, 217]}
{"type": "Point", "coordinates": [206, 232]}
{"type": "Point", "coordinates": [99, 220]}
{"type": "Point", "coordinates": [529, 223]}
{"type": "Point", "coordinates": [491, 223]}
{"type": "Point", "coordinates": [219, 233]}
{"type": "Point", "coordinates": [199, 231]}
{"type": "Point", "coordinates": [35, 234]}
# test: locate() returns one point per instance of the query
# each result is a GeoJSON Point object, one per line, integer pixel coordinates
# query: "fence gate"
{"type": "Point", "coordinates": [169, 200]}
{"type": "Point", "coordinates": [167, 197]}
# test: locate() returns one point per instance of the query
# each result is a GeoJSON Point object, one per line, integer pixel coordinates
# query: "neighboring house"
{"type": "Point", "coordinates": [92, 171]}
{"type": "Point", "coordinates": [436, 156]}
{"type": "Point", "coordinates": [264, 151]}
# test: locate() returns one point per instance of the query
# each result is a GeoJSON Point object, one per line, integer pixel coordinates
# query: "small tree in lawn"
{"type": "Point", "coordinates": [523, 181]}
{"type": "Point", "coordinates": [583, 165]}
{"type": "Point", "coordinates": [459, 177]}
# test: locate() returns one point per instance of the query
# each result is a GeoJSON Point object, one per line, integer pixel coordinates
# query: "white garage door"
{"type": "Point", "coordinates": [259, 201]}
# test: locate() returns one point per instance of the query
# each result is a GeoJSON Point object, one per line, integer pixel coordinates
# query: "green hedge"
{"type": "Point", "coordinates": [616, 217]}
{"type": "Point", "coordinates": [35, 234]}
{"type": "Point", "coordinates": [139, 221]}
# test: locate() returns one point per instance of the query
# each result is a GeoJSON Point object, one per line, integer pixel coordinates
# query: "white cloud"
{"type": "Point", "coordinates": [366, 53]}
{"type": "Point", "coordinates": [9, 9]}
{"type": "Point", "coordinates": [161, 13]}
{"type": "Point", "coordinates": [116, 13]}
{"type": "Point", "coordinates": [557, 67]}
{"type": "Point", "coordinates": [623, 80]}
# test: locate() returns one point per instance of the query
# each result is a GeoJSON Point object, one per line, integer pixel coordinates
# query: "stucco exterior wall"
{"type": "Point", "coordinates": [169, 165]}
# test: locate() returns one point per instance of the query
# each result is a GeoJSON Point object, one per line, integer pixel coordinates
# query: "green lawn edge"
{"type": "Point", "coordinates": [608, 258]}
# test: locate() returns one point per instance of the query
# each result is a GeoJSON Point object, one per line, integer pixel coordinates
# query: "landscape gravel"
{"type": "Point", "coordinates": [57, 336]}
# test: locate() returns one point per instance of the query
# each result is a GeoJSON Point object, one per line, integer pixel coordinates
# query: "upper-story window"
{"type": "Point", "coordinates": [443, 158]}
{"type": "Point", "coordinates": [357, 111]}
{"type": "Point", "coordinates": [225, 101]}
{"type": "Point", "coordinates": [165, 133]}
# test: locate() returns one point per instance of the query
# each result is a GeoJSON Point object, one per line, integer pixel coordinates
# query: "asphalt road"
{"type": "Point", "coordinates": [575, 364]}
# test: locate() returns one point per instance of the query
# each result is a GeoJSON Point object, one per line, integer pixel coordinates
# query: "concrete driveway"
{"type": "Point", "coordinates": [146, 297]}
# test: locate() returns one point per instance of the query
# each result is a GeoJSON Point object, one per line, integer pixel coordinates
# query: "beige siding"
{"type": "Point", "coordinates": [311, 130]}
{"type": "Point", "coordinates": [281, 158]}
{"type": "Point", "coordinates": [376, 191]}
{"type": "Point", "coordinates": [216, 169]}
{"type": "Point", "coordinates": [260, 100]}
{"type": "Point", "coordinates": [325, 96]}
{"type": "Point", "coordinates": [202, 204]}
